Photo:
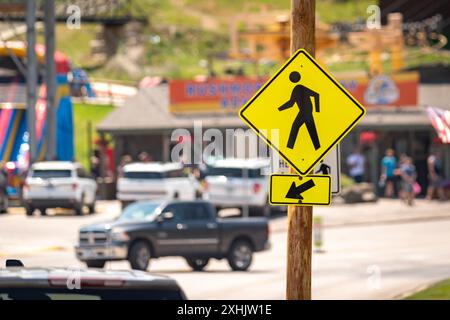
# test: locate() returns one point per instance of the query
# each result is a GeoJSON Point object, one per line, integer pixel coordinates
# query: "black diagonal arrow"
{"type": "Point", "coordinates": [296, 192]}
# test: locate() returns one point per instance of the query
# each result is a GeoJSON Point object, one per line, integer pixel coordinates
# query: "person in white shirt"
{"type": "Point", "coordinates": [355, 162]}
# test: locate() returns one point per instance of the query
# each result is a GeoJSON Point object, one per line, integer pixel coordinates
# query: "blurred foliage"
{"type": "Point", "coordinates": [177, 45]}
{"type": "Point", "coordinates": [74, 42]}
{"type": "Point", "coordinates": [181, 53]}
{"type": "Point", "coordinates": [414, 57]}
{"type": "Point", "coordinates": [84, 113]}
{"type": "Point", "coordinates": [327, 10]}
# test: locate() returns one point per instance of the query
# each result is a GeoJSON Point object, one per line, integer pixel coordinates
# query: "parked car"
{"type": "Point", "coordinates": [191, 229]}
{"type": "Point", "coordinates": [239, 183]}
{"type": "Point", "coordinates": [20, 283]}
{"type": "Point", "coordinates": [54, 184]}
{"type": "Point", "coordinates": [155, 180]}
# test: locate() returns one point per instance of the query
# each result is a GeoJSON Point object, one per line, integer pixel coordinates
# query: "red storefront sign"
{"type": "Point", "coordinates": [227, 95]}
{"type": "Point", "coordinates": [224, 95]}
{"type": "Point", "coordinates": [393, 90]}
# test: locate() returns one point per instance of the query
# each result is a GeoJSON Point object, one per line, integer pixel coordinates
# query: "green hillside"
{"type": "Point", "coordinates": [182, 34]}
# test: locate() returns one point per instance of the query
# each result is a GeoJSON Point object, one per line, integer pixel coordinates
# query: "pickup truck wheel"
{"type": "Point", "coordinates": [95, 264]}
{"type": "Point", "coordinates": [240, 255]}
{"type": "Point", "coordinates": [139, 256]}
{"type": "Point", "coordinates": [197, 264]}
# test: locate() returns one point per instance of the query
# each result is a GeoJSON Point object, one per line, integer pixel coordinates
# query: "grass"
{"type": "Point", "coordinates": [76, 43]}
{"type": "Point", "coordinates": [328, 10]}
{"type": "Point", "coordinates": [439, 291]}
{"type": "Point", "coordinates": [84, 113]}
{"type": "Point", "coordinates": [336, 11]}
{"type": "Point", "coordinates": [226, 7]}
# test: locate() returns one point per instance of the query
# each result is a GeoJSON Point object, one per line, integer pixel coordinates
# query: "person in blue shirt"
{"type": "Point", "coordinates": [409, 175]}
{"type": "Point", "coordinates": [388, 166]}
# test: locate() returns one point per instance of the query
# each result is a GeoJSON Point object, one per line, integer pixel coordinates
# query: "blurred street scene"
{"type": "Point", "coordinates": [121, 146]}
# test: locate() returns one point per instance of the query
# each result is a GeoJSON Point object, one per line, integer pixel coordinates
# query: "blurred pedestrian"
{"type": "Point", "coordinates": [126, 159]}
{"type": "Point", "coordinates": [434, 164]}
{"type": "Point", "coordinates": [144, 157]}
{"type": "Point", "coordinates": [356, 162]}
{"type": "Point", "coordinates": [95, 167]}
{"type": "Point", "coordinates": [388, 166]}
{"type": "Point", "coordinates": [409, 184]}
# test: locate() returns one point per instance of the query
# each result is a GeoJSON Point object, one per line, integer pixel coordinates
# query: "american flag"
{"type": "Point", "coordinates": [440, 119]}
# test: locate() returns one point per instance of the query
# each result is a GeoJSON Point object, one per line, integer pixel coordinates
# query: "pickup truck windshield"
{"type": "Point", "coordinates": [142, 175]}
{"type": "Point", "coordinates": [47, 174]}
{"type": "Point", "coordinates": [233, 172]}
{"type": "Point", "coordinates": [140, 211]}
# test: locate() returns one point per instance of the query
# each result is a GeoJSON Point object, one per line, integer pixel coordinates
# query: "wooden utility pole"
{"type": "Point", "coordinates": [299, 242]}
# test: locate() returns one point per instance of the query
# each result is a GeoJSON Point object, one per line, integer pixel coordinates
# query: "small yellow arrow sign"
{"type": "Point", "coordinates": [295, 190]}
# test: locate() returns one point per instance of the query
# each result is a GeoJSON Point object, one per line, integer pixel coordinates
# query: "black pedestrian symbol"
{"type": "Point", "coordinates": [324, 168]}
{"type": "Point", "coordinates": [296, 192]}
{"type": "Point", "coordinates": [302, 96]}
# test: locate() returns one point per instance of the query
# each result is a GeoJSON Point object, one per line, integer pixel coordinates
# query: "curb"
{"type": "Point", "coordinates": [372, 223]}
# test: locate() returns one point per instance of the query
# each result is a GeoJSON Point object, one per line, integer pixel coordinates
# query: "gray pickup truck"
{"type": "Point", "coordinates": [190, 229]}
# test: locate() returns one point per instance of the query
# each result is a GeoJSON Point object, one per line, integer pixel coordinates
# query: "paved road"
{"type": "Point", "coordinates": [364, 261]}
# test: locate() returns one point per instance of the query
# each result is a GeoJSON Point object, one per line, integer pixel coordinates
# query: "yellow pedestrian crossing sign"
{"type": "Point", "coordinates": [292, 189]}
{"type": "Point", "coordinates": [302, 112]}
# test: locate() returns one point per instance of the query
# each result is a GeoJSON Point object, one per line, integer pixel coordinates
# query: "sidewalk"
{"type": "Point", "coordinates": [382, 212]}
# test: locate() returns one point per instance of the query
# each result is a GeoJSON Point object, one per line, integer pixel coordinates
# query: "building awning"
{"type": "Point", "coordinates": [406, 118]}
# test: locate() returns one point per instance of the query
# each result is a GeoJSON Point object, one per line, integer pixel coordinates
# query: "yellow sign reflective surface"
{"type": "Point", "coordinates": [302, 112]}
{"type": "Point", "coordinates": [300, 191]}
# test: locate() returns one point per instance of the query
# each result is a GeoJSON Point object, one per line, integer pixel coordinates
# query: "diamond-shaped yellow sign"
{"type": "Point", "coordinates": [302, 112]}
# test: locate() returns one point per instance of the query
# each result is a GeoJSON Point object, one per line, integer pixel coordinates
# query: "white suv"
{"type": "Point", "coordinates": [238, 183]}
{"type": "Point", "coordinates": [155, 180]}
{"type": "Point", "coordinates": [58, 184]}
